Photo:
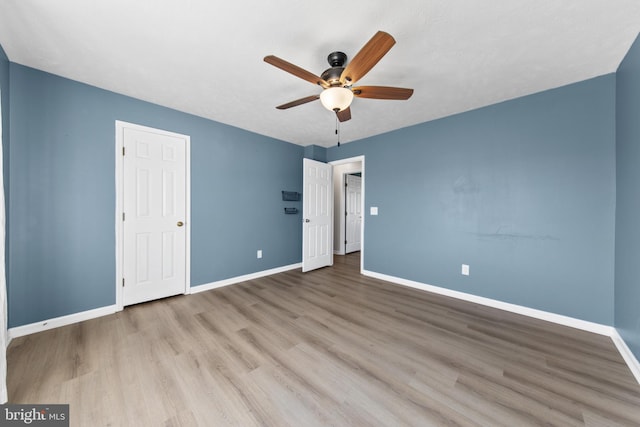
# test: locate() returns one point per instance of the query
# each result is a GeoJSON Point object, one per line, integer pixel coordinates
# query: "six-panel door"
{"type": "Point", "coordinates": [154, 253]}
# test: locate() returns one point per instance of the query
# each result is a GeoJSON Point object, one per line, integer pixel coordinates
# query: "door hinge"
{"type": "Point", "coordinates": [345, 242]}
{"type": "Point", "coordinates": [123, 216]}
{"type": "Point", "coordinates": [123, 151]}
{"type": "Point", "coordinates": [123, 282]}
{"type": "Point", "coordinates": [345, 184]}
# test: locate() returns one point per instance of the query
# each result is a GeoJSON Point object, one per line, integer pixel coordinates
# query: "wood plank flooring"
{"type": "Point", "coordinates": [329, 347]}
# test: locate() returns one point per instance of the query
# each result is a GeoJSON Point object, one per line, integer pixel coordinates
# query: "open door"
{"type": "Point", "coordinates": [317, 214]}
{"type": "Point", "coordinates": [353, 213]}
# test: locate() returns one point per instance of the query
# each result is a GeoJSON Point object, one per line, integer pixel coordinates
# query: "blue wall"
{"type": "Point", "coordinates": [62, 206]}
{"type": "Point", "coordinates": [627, 283]}
{"type": "Point", "coordinates": [315, 152]}
{"type": "Point", "coordinates": [5, 93]}
{"type": "Point", "coordinates": [522, 191]}
{"type": "Point", "coordinates": [4, 89]}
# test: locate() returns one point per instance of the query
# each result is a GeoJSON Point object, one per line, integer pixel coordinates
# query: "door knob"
{"type": "Point", "coordinates": [180, 223]}
{"type": "Point", "coordinates": [307, 220]}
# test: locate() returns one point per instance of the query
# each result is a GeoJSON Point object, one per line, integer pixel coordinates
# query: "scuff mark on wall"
{"type": "Point", "coordinates": [499, 234]}
{"type": "Point", "coordinates": [465, 186]}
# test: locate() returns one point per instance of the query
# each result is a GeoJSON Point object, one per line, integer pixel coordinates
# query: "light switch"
{"type": "Point", "coordinates": [374, 210]}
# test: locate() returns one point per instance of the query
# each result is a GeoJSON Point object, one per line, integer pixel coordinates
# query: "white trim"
{"type": "Point", "coordinates": [584, 325]}
{"type": "Point", "coordinates": [120, 126]}
{"type": "Point", "coordinates": [244, 278]}
{"type": "Point", "coordinates": [596, 328]}
{"type": "Point", "coordinates": [57, 322]}
{"type": "Point", "coordinates": [364, 179]}
{"type": "Point", "coordinates": [626, 354]}
{"type": "Point", "coordinates": [69, 319]}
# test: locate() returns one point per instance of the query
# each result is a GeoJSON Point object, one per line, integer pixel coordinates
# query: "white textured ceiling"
{"type": "Point", "coordinates": [205, 57]}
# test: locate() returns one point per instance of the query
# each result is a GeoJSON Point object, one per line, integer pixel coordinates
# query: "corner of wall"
{"type": "Point", "coordinates": [315, 152]}
{"type": "Point", "coordinates": [627, 201]}
{"type": "Point", "coordinates": [627, 204]}
{"type": "Point", "coordinates": [5, 138]}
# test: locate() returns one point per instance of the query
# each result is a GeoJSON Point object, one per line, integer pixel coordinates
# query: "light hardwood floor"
{"type": "Point", "coordinates": [329, 347]}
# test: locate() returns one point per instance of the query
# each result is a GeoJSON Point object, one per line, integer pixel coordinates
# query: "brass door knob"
{"type": "Point", "coordinates": [180, 223]}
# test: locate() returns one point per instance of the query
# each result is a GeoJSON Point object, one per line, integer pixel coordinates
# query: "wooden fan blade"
{"type": "Point", "coordinates": [295, 70]}
{"type": "Point", "coordinates": [344, 115]}
{"type": "Point", "coordinates": [382, 92]}
{"type": "Point", "coordinates": [298, 102]}
{"type": "Point", "coordinates": [368, 56]}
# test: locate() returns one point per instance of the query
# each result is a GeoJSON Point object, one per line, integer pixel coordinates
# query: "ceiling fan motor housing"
{"type": "Point", "coordinates": [337, 59]}
{"type": "Point", "coordinates": [332, 75]}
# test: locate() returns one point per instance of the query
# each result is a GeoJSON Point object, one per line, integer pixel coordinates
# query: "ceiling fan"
{"type": "Point", "coordinates": [337, 81]}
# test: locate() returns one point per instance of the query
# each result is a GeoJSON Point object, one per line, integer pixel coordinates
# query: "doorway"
{"type": "Point", "coordinates": [341, 169]}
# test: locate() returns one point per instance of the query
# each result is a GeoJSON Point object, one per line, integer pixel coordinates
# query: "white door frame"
{"type": "Point", "coordinates": [120, 126]}
{"type": "Point", "coordinates": [362, 201]}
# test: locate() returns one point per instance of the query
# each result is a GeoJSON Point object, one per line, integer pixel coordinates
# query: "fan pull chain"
{"type": "Point", "coordinates": [338, 129]}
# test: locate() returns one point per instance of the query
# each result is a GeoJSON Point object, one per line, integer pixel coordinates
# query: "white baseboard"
{"type": "Point", "coordinates": [596, 328]}
{"type": "Point", "coordinates": [60, 321]}
{"type": "Point", "coordinates": [105, 311]}
{"type": "Point", "coordinates": [238, 279]}
{"type": "Point", "coordinates": [514, 308]}
{"type": "Point", "coordinates": [626, 354]}
{"type": "Point", "coordinates": [584, 325]}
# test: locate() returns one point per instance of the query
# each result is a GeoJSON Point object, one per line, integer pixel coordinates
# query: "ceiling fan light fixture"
{"type": "Point", "coordinates": [336, 98]}
{"type": "Point", "coordinates": [337, 81]}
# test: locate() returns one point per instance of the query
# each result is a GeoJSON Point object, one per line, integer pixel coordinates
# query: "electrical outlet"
{"type": "Point", "coordinates": [373, 210]}
{"type": "Point", "coordinates": [465, 270]}
{"type": "Point", "coordinates": [259, 254]}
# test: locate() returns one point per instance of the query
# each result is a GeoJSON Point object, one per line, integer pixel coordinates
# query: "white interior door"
{"type": "Point", "coordinates": [154, 202]}
{"type": "Point", "coordinates": [317, 214]}
{"type": "Point", "coordinates": [353, 207]}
